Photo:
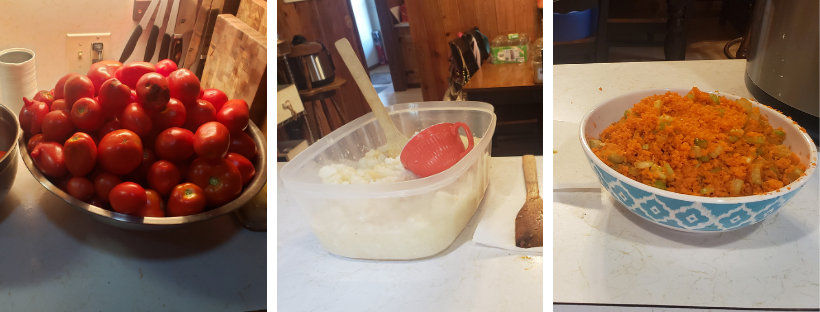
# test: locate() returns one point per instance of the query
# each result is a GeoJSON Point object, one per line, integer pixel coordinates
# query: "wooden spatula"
{"type": "Point", "coordinates": [529, 224]}
{"type": "Point", "coordinates": [395, 139]}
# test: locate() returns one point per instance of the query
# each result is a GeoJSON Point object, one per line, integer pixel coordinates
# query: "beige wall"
{"type": "Point", "coordinates": [42, 25]}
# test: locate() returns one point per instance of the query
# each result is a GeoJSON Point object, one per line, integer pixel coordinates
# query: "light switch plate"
{"type": "Point", "coordinates": [79, 54]}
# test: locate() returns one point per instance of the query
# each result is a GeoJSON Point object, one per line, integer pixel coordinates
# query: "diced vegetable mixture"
{"type": "Point", "coordinates": [699, 144]}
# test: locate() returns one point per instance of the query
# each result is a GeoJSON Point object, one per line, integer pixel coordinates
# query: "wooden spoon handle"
{"type": "Point", "coordinates": [370, 95]}
{"type": "Point", "coordinates": [530, 176]}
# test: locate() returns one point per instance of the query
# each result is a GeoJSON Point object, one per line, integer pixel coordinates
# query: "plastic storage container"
{"type": "Point", "coordinates": [393, 221]}
{"type": "Point", "coordinates": [510, 48]}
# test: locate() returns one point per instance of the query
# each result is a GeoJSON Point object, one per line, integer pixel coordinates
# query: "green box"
{"type": "Point", "coordinates": [509, 54]}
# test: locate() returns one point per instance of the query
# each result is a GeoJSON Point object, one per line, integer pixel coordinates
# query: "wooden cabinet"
{"type": "Point", "coordinates": [408, 57]}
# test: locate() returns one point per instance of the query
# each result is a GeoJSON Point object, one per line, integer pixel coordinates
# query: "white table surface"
{"type": "Point", "coordinates": [54, 257]}
{"type": "Point", "coordinates": [604, 254]}
{"type": "Point", "coordinates": [465, 277]}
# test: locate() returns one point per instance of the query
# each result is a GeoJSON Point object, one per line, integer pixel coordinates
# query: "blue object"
{"type": "Point", "coordinates": [571, 26]}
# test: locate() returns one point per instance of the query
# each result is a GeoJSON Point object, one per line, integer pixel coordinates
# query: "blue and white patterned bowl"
{"type": "Point", "coordinates": [687, 212]}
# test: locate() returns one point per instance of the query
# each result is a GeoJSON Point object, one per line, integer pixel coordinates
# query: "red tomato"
{"type": "Point", "coordinates": [133, 71]}
{"type": "Point", "coordinates": [174, 144]}
{"type": "Point", "coordinates": [244, 165]}
{"type": "Point", "coordinates": [152, 90]}
{"type": "Point", "coordinates": [234, 115]}
{"type": "Point", "coordinates": [59, 88]}
{"type": "Point", "coordinates": [113, 66]}
{"type": "Point", "coordinates": [104, 183]}
{"type": "Point", "coordinates": [136, 119]}
{"type": "Point", "coordinates": [166, 67]}
{"type": "Point", "coordinates": [49, 158]}
{"type": "Point", "coordinates": [172, 116]}
{"type": "Point", "coordinates": [57, 126]}
{"type": "Point", "coordinates": [186, 199]}
{"type": "Point", "coordinates": [60, 105]}
{"type": "Point", "coordinates": [80, 188]}
{"type": "Point", "coordinates": [2, 153]}
{"type": "Point", "coordinates": [134, 97]}
{"type": "Point", "coordinates": [45, 97]}
{"type": "Point", "coordinates": [184, 86]}
{"type": "Point", "coordinates": [114, 96]}
{"type": "Point", "coordinates": [96, 201]}
{"type": "Point", "coordinates": [99, 74]}
{"type": "Point", "coordinates": [80, 154]}
{"type": "Point", "coordinates": [76, 88]}
{"type": "Point", "coordinates": [127, 198]}
{"type": "Point", "coordinates": [183, 166]}
{"type": "Point", "coordinates": [154, 206]}
{"type": "Point", "coordinates": [108, 127]}
{"type": "Point", "coordinates": [87, 115]}
{"type": "Point", "coordinates": [201, 92]}
{"type": "Point", "coordinates": [32, 115]}
{"type": "Point", "coordinates": [215, 97]}
{"type": "Point", "coordinates": [60, 183]}
{"type": "Point", "coordinates": [120, 152]}
{"type": "Point", "coordinates": [163, 175]}
{"type": "Point", "coordinates": [138, 175]}
{"type": "Point", "coordinates": [118, 74]}
{"type": "Point", "coordinates": [211, 141]}
{"type": "Point", "coordinates": [32, 143]}
{"type": "Point", "coordinates": [198, 114]}
{"type": "Point", "coordinates": [220, 180]}
{"type": "Point", "coordinates": [242, 144]}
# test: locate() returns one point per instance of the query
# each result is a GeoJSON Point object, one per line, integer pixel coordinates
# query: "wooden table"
{"type": "Point", "coordinates": [518, 103]}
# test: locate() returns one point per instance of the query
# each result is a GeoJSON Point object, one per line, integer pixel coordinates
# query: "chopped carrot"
{"type": "Point", "coordinates": [699, 144]}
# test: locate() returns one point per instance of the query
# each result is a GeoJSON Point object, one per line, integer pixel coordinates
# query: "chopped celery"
{"type": "Point", "coordinates": [707, 190]}
{"type": "Point", "coordinates": [714, 98]}
{"type": "Point", "coordinates": [746, 105]}
{"type": "Point", "coordinates": [660, 184]}
{"type": "Point", "coordinates": [701, 143]}
{"type": "Point", "coordinates": [697, 151]}
{"type": "Point", "coordinates": [716, 152]}
{"type": "Point", "coordinates": [756, 176]}
{"type": "Point", "coordinates": [643, 164]}
{"type": "Point", "coordinates": [645, 147]}
{"type": "Point", "coordinates": [690, 95]}
{"type": "Point", "coordinates": [593, 143]}
{"type": "Point", "coordinates": [703, 158]}
{"type": "Point", "coordinates": [616, 158]}
{"type": "Point", "coordinates": [737, 186]}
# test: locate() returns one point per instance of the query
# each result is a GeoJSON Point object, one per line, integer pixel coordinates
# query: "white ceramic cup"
{"type": "Point", "coordinates": [18, 77]}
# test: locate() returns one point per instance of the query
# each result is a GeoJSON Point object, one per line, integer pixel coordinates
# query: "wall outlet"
{"type": "Point", "coordinates": [80, 54]}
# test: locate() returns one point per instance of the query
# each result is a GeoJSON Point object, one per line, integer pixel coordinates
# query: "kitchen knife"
{"type": "Point", "coordinates": [135, 36]}
{"type": "Point", "coordinates": [169, 31]}
{"type": "Point", "coordinates": [151, 47]}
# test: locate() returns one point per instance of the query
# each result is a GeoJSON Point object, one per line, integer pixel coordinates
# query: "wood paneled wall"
{"type": "Point", "coordinates": [326, 21]}
{"type": "Point", "coordinates": [433, 23]}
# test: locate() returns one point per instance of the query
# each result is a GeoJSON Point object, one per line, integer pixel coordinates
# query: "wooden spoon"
{"type": "Point", "coordinates": [529, 224]}
{"type": "Point", "coordinates": [395, 139]}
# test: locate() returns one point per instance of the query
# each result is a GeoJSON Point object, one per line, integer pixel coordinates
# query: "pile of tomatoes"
{"type": "Point", "coordinates": [140, 139]}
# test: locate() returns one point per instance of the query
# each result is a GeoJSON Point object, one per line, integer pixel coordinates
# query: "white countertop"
{"type": "Point", "coordinates": [465, 277]}
{"type": "Point", "coordinates": [604, 254]}
{"type": "Point", "coordinates": [54, 257]}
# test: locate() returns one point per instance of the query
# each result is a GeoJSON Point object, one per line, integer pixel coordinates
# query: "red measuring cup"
{"type": "Point", "coordinates": [436, 149]}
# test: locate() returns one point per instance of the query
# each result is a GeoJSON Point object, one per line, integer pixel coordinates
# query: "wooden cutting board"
{"type": "Point", "coordinates": [255, 14]}
{"type": "Point", "coordinates": [237, 64]}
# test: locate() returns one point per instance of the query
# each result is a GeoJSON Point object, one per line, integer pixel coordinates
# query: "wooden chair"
{"type": "Point", "coordinates": [319, 95]}
{"type": "Point", "coordinates": [594, 48]}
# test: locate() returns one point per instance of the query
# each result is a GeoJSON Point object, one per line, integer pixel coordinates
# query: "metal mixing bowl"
{"type": "Point", "coordinates": [150, 223]}
{"type": "Point", "coordinates": [9, 133]}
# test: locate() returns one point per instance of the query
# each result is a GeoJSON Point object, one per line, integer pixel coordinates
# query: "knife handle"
{"type": "Point", "coordinates": [132, 42]}
{"type": "Point", "coordinates": [152, 43]}
{"type": "Point", "coordinates": [163, 47]}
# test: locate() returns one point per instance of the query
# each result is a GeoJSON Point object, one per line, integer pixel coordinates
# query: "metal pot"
{"type": "Point", "coordinates": [782, 64]}
{"type": "Point", "coordinates": [9, 133]}
{"type": "Point", "coordinates": [320, 68]}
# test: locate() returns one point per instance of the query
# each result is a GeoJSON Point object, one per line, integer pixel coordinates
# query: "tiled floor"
{"type": "Point", "coordinates": [389, 96]}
